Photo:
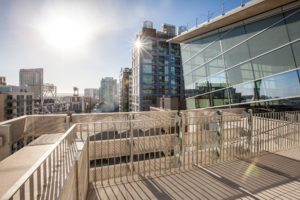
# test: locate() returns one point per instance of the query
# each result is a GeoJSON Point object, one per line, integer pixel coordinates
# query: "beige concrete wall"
{"type": "Point", "coordinates": [5, 148]}
{"type": "Point", "coordinates": [2, 107]}
{"type": "Point", "coordinates": [76, 186]}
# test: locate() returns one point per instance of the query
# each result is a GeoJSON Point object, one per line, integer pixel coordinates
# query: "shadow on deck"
{"type": "Point", "coordinates": [270, 176]}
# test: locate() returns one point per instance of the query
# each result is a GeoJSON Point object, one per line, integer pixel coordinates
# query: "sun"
{"type": "Point", "coordinates": [138, 44]}
{"type": "Point", "coordinates": [65, 30]}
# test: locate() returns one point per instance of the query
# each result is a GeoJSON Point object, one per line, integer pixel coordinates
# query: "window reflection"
{"type": "Point", "coordinates": [242, 93]}
{"type": "Point", "coordinates": [283, 85]}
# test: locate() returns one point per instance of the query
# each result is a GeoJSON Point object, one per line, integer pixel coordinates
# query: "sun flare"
{"type": "Point", "coordinates": [65, 30]}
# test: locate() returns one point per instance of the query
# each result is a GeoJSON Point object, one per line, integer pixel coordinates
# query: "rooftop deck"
{"type": "Point", "coordinates": [153, 155]}
{"type": "Point", "coordinates": [269, 176]}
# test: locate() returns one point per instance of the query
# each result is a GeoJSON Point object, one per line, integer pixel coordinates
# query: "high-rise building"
{"type": "Point", "coordinates": [156, 68]}
{"type": "Point", "coordinates": [109, 93]}
{"type": "Point", "coordinates": [247, 58]}
{"type": "Point", "coordinates": [2, 80]}
{"type": "Point", "coordinates": [91, 92]}
{"type": "Point", "coordinates": [33, 78]}
{"type": "Point", "coordinates": [15, 101]}
{"type": "Point", "coordinates": [124, 92]}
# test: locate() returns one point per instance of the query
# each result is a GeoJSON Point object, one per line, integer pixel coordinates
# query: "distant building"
{"type": "Point", "coordinates": [124, 92]}
{"type": "Point", "coordinates": [2, 80]}
{"type": "Point", "coordinates": [91, 92]}
{"type": "Point", "coordinates": [33, 78]}
{"type": "Point", "coordinates": [109, 93]}
{"type": "Point", "coordinates": [15, 101]}
{"type": "Point", "coordinates": [156, 68]}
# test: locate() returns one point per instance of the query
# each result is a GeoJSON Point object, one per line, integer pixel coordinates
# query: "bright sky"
{"type": "Point", "coordinates": [78, 42]}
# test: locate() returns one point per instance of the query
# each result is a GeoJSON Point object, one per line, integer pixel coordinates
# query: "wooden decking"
{"type": "Point", "coordinates": [270, 176]}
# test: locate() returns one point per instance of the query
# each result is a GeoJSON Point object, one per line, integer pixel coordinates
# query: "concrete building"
{"type": "Point", "coordinates": [2, 80]}
{"type": "Point", "coordinates": [108, 91]}
{"type": "Point", "coordinates": [15, 101]}
{"type": "Point", "coordinates": [124, 92]}
{"type": "Point", "coordinates": [156, 67]}
{"type": "Point", "coordinates": [34, 78]}
{"type": "Point", "coordinates": [248, 58]}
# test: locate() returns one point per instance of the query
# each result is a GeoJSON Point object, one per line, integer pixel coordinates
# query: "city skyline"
{"type": "Point", "coordinates": [27, 31]}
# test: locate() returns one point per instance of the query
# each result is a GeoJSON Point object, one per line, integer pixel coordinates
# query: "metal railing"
{"type": "Point", "coordinates": [149, 144]}
{"type": "Point", "coordinates": [45, 179]}
{"type": "Point", "coordinates": [133, 146]}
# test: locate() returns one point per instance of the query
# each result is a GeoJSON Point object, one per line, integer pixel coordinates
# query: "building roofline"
{"type": "Point", "coordinates": [250, 9]}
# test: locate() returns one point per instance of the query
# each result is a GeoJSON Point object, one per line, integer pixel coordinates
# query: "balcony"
{"type": "Point", "coordinates": [152, 155]}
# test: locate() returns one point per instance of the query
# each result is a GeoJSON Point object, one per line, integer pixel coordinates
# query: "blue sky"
{"type": "Point", "coordinates": [112, 26]}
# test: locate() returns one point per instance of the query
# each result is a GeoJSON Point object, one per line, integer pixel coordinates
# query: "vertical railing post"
{"type": "Point", "coordinates": [88, 154]}
{"type": "Point", "coordinates": [182, 126]}
{"type": "Point", "coordinates": [250, 130]}
{"type": "Point", "coordinates": [131, 144]}
{"type": "Point", "coordinates": [219, 133]}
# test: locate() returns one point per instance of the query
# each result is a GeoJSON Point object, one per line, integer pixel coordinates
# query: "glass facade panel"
{"type": "Point", "coordinates": [199, 74]}
{"type": "Point", "coordinates": [202, 101]}
{"type": "Point", "coordinates": [201, 87]}
{"type": "Point", "coordinates": [268, 39]}
{"type": "Point", "coordinates": [220, 98]}
{"type": "Point", "coordinates": [185, 53]}
{"type": "Point", "coordinates": [147, 68]}
{"type": "Point", "coordinates": [213, 47]}
{"type": "Point", "coordinates": [224, 74]}
{"type": "Point", "coordinates": [240, 74]}
{"type": "Point", "coordinates": [236, 55]}
{"type": "Point", "coordinates": [233, 37]}
{"type": "Point", "coordinates": [217, 81]}
{"type": "Point", "coordinates": [215, 66]}
{"type": "Point", "coordinates": [283, 85]}
{"type": "Point", "coordinates": [274, 62]}
{"type": "Point", "coordinates": [242, 93]}
{"type": "Point", "coordinates": [293, 24]}
{"type": "Point", "coordinates": [296, 50]}
{"type": "Point", "coordinates": [190, 103]}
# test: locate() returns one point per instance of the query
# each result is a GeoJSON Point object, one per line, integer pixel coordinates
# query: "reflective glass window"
{"type": "Point", "coordinates": [188, 81]}
{"type": "Point", "coordinates": [233, 37]}
{"type": "Point", "coordinates": [213, 47]}
{"type": "Point", "coordinates": [201, 87]}
{"type": "Point", "coordinates": [236, 55]}
{"type": "Point", "coordinates": [147, 79]}
{"type": "Point", "coordinates": [274, 62]}
{"type": "Point", "coordinates": [202, 101]}
{"type": "Point", "coordinates": [196, 46]}
{"type": "Point", "coordinates": [242, 93]}
{"type": "Point", "coordinates": [293, 24]}
{"type": "Point", "coordinates": [240, 74]}
{"type": "Point", "coordinates": [190, 103]}
{"type": "Point", "coordinates": [220, 98]}
{"type": "Point", "coordinates": [268, 39]}
{"type": "Point", "coordinates": [147, 68]}
{"type": "Point", "coordinates": [185, 54]}
{"type": "Point", "coordinates": [296, 50]}
{"type": "Point", "coordinates": [217, 81]}
{"type": "Point", "coordinates": [283, 85]}
{"type": "Point", "coordinates": [215, 66]}
{"type": "Point", "coordinates": [199, 74]}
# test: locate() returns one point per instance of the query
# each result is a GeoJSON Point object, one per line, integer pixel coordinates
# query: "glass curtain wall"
{"type": "Point", "coordinates": [248, 62]}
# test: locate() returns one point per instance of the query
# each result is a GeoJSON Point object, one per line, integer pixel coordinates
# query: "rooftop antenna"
{"type": "Point", "coordinates": [208, 16]}
{"type": "Point", "coordinates": [242, 3]}
{"type": "Point", "coordinates": [196, 21]}
{"type": "Point", "coordinates": [223, 11]}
